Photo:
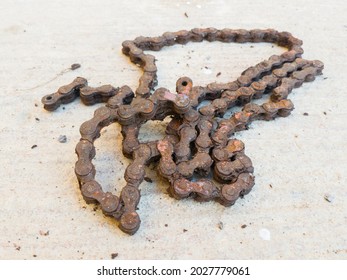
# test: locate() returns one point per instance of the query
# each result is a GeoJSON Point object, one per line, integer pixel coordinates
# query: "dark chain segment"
{"type": "Point", "coordinates": [197, 142]}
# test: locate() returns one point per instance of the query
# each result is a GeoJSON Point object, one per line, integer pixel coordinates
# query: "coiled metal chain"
{"type": "Point", "coordinates": [195, 142]}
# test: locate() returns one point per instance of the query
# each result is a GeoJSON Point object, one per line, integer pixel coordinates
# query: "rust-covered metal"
{"type": "Point", "coordinates": [198, 141]}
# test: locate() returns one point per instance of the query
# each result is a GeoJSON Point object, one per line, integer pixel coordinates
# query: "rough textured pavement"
{"type": "Point", "coordinates": [297, 209]}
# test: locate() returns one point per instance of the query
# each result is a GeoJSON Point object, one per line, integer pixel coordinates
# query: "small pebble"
{"type": "Point", "coordinates": [220, 225]}
{"type": "Point", "coordinates": [75, 66]}
{"type": "Point", "coordinates": [114, 255]}
{"type": "Point", "coordinates": [44, 233]}
{"type": "Point", "coordinates": [62, 139]}
{"type": "Point", "coordinates": [34, 146]}
{"type": "Point", "coordinates": [265, 234]}
{"type": "Point", "coordinates": [328, 197]}
{"type": "Point", "coordinates": [305, 114]}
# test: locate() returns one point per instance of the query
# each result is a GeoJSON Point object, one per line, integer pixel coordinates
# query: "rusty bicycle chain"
{"type": "Point", "coordinates": [214, 151]}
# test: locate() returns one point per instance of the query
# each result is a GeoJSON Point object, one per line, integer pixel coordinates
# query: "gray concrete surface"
{"type": "Point", "coordinates": [298, 160]}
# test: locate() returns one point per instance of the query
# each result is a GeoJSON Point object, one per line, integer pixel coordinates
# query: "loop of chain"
{"type": "Point", "coordinates": [196, 141]}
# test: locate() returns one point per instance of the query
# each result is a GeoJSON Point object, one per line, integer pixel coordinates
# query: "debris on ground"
{"type": "Point", "coordinates": [44, 233]}
{"type": "Point", "coordinates": [329, 197]}
{"type": "Point", "coordinates": [16, 246]}
{"type": "Point", "coordinates": [75, 66]}
{"type": "Point", "coordinates": [62, 139]}
{"type": "Point", "coordinates": [114, 255]}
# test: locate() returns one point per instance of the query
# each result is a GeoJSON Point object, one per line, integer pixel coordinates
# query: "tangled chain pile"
{"type": "Point", "coordinates": [195, 142]}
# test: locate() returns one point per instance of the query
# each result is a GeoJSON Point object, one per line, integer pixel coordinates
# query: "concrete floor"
{"type": "Point", "coordinates": [300, 161]}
